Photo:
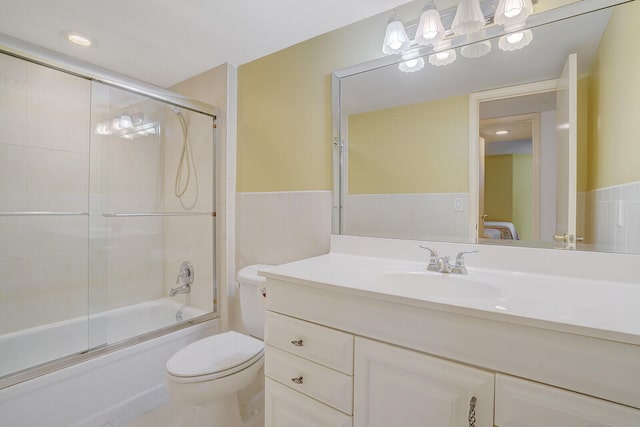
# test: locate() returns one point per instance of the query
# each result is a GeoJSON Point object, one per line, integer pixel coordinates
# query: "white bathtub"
{"type": "Point", "coordinates": [31, 347]}
{"type": "Point", "coordinates": [114, 386]}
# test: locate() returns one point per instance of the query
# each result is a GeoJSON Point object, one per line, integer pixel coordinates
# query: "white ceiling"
{"type": "Point", "coordinates": [166, 41]}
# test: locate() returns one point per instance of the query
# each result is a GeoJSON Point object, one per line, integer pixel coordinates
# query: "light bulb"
{"type": "Point", "coordinates": [126, 122]}
{"type": "Point", "coordinates": [515, 37]}
{"type": "Point", "coordinates": [411, 65]}
{"type": "Point", "coordinates": [443, 55]}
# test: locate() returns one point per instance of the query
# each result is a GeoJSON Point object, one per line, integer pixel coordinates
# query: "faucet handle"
{"type": "Point", "coordinates": [433, 259]}
{"type": "Point", "coordinates": [460, 267]}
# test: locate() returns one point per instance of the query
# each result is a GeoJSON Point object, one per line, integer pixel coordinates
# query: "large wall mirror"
{"type": "Point", "coordinates": [529, 146]}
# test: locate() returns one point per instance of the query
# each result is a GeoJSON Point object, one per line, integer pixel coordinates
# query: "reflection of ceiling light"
{"type": "Point", "coordinates": [510, 12]}
{"type": "Point", "coordinates": [395, 38]}
{"type": "Point", "coordinates": [563, 126]}
{"type": "Point", "coordinates": [502, 132]}
{"type": "Point", "coordinates": [430, 29]}
{"type": "Point", "coordinates": [468, 19]}
{"type": "Point", "coordinates": [476, 50]}
{"type": "Point", "coordinates": [443, 55]}
{"type": "Point", "coordinates": [128, 126]}
{"type": "Point", "coordinates": [78, 39]}
{"type": "Point", "coordinates": [516, 40]}
{"type": "Point", "coordinates": [412, 65]}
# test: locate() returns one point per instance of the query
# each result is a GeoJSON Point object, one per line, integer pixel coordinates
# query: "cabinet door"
{"type": "Point", "coordinates": [398, 387]}
{"type": "Point", "coordinates": [288, 408]}
{"type": "Point", "coordinates": [521, 403]}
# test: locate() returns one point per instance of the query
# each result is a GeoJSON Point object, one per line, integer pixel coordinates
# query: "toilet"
{"type": "Point", "coordinates": [221, 376]}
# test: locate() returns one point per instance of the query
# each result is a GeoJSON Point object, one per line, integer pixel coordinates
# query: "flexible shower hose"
{"type": "Point", "coordinates": [185, 158]}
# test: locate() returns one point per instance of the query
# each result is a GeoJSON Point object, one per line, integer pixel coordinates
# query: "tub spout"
{"type": "Point", "coordinates": [184, 289]}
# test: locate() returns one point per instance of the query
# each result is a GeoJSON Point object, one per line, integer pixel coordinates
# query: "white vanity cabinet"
{"type": "Point", "coordinates": [418, 363]}
{"type": "Point", "coordinates": [521, 403]}
{"type": "Point", "coordinates": [309, 370]}
{"type": "Point", "coordinates": [398, 387]}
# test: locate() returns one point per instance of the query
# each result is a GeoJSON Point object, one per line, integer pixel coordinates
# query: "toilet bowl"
{"type": "Point", "coordinates": [212, 372]}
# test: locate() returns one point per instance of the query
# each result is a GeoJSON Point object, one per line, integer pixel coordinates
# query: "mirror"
{"type": "Point", "coordinates": [409, 162]}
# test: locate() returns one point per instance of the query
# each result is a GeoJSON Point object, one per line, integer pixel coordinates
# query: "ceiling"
{"type": "Point", "coordinates": [163, 42]}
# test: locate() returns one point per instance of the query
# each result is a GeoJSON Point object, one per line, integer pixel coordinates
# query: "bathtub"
{"type": "Point", "coordinates": [105, 390]}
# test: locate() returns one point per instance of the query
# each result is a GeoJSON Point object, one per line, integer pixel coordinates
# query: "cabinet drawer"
{"type": "Point", "coordinates": [524, 403]}
{"type": "Point", "coordinates": [322, 345]}
{"type": "Point", "coordinates": [324, 384]}
{"type": "Point", "coordinates": [287, 408]}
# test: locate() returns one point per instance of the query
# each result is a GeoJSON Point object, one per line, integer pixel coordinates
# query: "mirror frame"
{"type": "Point", "coordinates": [338, 147]}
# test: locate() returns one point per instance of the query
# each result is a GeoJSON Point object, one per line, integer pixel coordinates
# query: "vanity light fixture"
{"type": "Point", "coordinates": [515, 40]}
{"type": "Point", "coordinates": [430, 29]}
{"type": "Point", "coordinates": [412, 64]}
{"type": "Point", "coordinates": [476, 50]}
{"type": "Point", "coordinates": [127, 126]}
{"type": "Point", "coordinates": [511, 12]}
{"type": "Point", "coordinates": [443, 55]}
{"type": "Point", "coordinates": [395, 38]}
{"type": "Point", "coordinates": [468, 19]}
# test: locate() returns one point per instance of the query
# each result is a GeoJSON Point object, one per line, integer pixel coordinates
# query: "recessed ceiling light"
{"type": "Point", "coordinates": [502, 132]}
{"type": "Point", "coordinates": [77, 38]}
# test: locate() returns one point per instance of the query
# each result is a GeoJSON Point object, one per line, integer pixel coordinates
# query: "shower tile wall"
{"type": "Point", "coordinates": [44, 128]}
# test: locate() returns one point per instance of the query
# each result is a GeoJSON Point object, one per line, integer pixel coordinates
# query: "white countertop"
{"type": "Point", "coordinates": [597, 308]}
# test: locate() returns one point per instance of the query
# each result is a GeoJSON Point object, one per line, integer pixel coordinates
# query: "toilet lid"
{"type": "Point", "coordinates": [222, 353]}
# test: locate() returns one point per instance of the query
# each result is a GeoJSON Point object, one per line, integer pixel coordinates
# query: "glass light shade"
{"type": "Point", "coordinates": [476, 50]}
{"type": "Point", "coordinates": [511, 12]}
{"type": "Point", "coordinates": [430, 29]}
{"type": "Point", "coordinates": [412, 65]}
{"type": "Point", "coordinates": [516, 40]}
{"type": "Point", "coordinates": [468, 19]}
{"type": "Point", "coordinates": [395, 38]}
{"type": "Point", "coordinates": [443, 55]}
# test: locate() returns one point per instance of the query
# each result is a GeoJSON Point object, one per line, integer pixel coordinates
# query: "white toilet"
{"type": "Point", "coordinates": [213, 372]}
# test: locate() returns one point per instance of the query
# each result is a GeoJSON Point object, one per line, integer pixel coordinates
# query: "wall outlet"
{"type": "Point", "coordinates": [458, 204]}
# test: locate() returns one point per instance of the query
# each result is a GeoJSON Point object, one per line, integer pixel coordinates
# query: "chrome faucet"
{"type": "Point", "coordinates": [186, 277]}
{"type": "Point", "coordinates": [442, 264]}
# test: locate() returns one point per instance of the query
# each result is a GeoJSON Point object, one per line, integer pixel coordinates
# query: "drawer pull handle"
{"type": "Point", "coordinates": [297, 343]}
{"type": "Point", "coordinates": [297, 380]}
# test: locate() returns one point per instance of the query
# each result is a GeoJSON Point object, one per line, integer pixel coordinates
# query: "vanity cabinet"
{"type": "Point", "coordinates": [398, 387]}
{"type": "Point", "coordinates": [309, 370]}
{"type": "Point", "coordinates": [521, 403]}
{"type": "Point", "coordinates": [416, 364]}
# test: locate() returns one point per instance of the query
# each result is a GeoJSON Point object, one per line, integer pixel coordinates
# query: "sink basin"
{"type": "Point", "coordinates": [441, 285]}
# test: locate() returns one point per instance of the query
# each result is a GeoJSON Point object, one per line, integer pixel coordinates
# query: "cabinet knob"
{"type": "Point", "coordinates": [297, 343]}
{"type": "Point", "coordinates": [297, 380]}
{"type": "Point", "coordinates": [472, 412]}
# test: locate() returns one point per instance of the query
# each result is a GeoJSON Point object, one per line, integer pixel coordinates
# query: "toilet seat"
{"type": "Point", "coordinates": [215, 357]}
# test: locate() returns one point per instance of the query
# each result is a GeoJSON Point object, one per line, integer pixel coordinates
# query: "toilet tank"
{"type": "Point", "coordinates": [252, 302]}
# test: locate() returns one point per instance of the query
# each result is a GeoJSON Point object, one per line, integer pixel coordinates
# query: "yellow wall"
{"type": "Point", "coordinates": [523, 195]}
{"type": "Point", "coordinates": [508, 191]}
{"type": "Point", "coordinates": [498, 188]}
{"type": "Point", "coordinates": [417, 148]}
{"type": "Point", "coordinates": [284, 107]}
{"type": "Point", "coordinates": [614, 134]}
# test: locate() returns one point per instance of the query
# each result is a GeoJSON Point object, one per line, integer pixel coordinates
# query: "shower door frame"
{"type": "Point", "coordinates": [41, 56]}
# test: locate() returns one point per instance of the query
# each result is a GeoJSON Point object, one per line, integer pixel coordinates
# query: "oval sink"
{"type": "Point", "coordinates": [441, 285]}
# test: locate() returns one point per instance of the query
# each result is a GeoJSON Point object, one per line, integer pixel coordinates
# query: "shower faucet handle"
{"type": "Point", "coordinates": [186, 273]}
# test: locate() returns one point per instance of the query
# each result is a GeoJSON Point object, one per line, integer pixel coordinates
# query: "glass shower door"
{"type": "Point", "coordinates": [44, 180]}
